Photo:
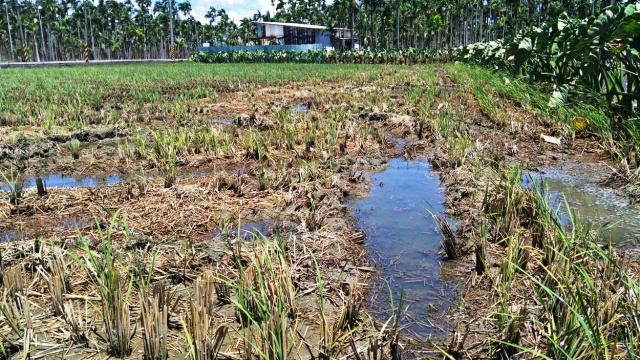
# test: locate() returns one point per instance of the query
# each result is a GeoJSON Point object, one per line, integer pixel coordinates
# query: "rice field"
{"type": "Point", "coordinates": [207, 211]}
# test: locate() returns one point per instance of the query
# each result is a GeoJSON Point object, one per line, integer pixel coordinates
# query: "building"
{"type": "Point", "coordinates": [292, 37]}
{"type": "Point", "coordinates": [279, 33]}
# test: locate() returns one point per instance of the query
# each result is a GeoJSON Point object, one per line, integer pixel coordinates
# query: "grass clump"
{"type": "Point", "coordinates": [164, 155]}
{"type": "Point", "coordinates": [560, 295]}
{"type": "Point", "coordinates": [102, 269]}
{"type": "Point", "coordinates": [75, 147]}
{"type": "Point", "coordinates": [451, 245]}
{"type": "Point", "coordinates": [204, 334]}
{"type": "Point", "coordinates": [154, 309]}
{"type": "Point", "coordinates": [266, 302]}
{"type": "Point", "coordinates": [58, 283]}
{"type": "Point", "coordinates": [15, 179]}
{"type": "Point", "coordinates": [14, 306]}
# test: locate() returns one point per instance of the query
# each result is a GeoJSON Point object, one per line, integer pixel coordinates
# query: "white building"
{"type": "Point", "coordinates": [279, 33]}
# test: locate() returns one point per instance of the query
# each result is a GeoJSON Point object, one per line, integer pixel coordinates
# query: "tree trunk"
{"type": "Point", "coordinates": [481, 21]}
{"type": "Point", "coordinates": [383, 43]}
{"type": "Point", "coordinates": [352, 27]}
{"type": "Point", "coordinates": [398, 27]}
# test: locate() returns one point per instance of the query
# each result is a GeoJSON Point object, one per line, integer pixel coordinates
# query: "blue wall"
{"type": "Point", "coordinates": [215, 49]}
{"type": "Point", "coordinates": [323, 38]}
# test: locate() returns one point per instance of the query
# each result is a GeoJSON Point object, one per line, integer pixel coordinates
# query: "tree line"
{"type": "Point", "coordinates": [54, 30]}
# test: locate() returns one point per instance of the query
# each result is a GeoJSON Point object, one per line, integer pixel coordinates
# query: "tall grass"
{"type": "Point", "coordinates": [15, 179]}
{"type": "Point", "coordinates": [74, 95]}
{"type": "Point", "coordinates": [205, 334]}
{"type": "Point", "coordinates": [75, 147]}
{"type": "Point", "coordinates": [164, 155]}
{"type": "Point", "coordinates": [620, 137]}
{"type": "Point", "coordinates": [335, 335]}
{"type": "Point", "coordinates": [15, 307]}
{"type": "Point", "coordinates": [154, 311]}
{"type": "Point", "coordinates": [58, 282]}
{"type": "Point", "coordinates": [102, 269]}
{"type": "Point", "coordinates": [266, 302]}
{"type": "Point", "coordinates": [563, 295]}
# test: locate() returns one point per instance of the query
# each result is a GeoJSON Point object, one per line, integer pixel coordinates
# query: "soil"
{"type": "Point", "coordinates": [181, 227]}
{"type": "Point", "coordinates": [183, 223]}
{"type": "Point", "coordinates": [467, 189]}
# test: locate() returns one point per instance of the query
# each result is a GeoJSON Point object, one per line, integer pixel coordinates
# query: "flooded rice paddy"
{"type": "Point", "coordinates": [404, 244]}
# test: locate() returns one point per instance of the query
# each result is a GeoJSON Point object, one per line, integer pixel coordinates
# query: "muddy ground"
{"type": "Point", "coordinates": [185, 223]}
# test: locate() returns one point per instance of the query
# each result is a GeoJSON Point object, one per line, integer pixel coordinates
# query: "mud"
{"type": "Point", "coordinates": [218, 195]}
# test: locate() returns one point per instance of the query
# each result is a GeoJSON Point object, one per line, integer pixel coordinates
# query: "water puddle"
{"type": "Point", "coordinates": [222, 121]}
{"type": "Point", "coordinates": [300, 108]}
{"type": "Point", "coordinates": [405, 245]}
{"type": "Point", "coordinates": [11, 236]}
{"type": "Point", "coordinates": [595, 204]}
{"type": "Point", "coordinates": [400, 143]}
{"type": "Point", "coordinates": [61, 181]}
{"type": "Point", "coordinates": [75, 224]}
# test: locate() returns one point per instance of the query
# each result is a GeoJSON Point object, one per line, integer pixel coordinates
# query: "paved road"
{"type": "Point", "coordinates": [81, 63]}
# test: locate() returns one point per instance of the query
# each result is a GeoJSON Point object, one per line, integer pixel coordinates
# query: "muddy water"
{"type": "Point", "coordinates": [61, 181]}
{"type": "Point", "coordinates": [598, 205]}
{"type": "Point", "coordinates": [10, 236]}
{"type": "Point", "coordinates": [404, 244]}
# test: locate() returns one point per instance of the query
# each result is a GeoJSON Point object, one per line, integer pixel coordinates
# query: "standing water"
{"type": "Point", "coordinates": [404, 243]}
{"type": "Point", "coordinates": [61, 181]}
{"type": "Point", "coordinates": [579, 185]}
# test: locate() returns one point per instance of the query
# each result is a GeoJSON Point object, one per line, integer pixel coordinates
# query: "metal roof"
{"type": "Point", "coordinates": [306, 26]}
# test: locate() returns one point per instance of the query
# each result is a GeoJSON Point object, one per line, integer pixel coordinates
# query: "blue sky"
{"type": "Point", "coordinates": [237, 9]}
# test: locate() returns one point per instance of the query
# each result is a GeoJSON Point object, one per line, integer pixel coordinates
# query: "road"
{"type": "Point", "coordinates": [4, 65]}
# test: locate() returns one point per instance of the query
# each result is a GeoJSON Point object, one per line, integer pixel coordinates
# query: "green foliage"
{"type": "Point", "coordinates": [589, 116]}
{"type": "Point", "coordinates": [587, 293]}
{"type": "Point", "coordinates": [599, 54]}
{"type": "Point", "coordinates": [63, 98]}
{"type": "Point", "coordinates": [408, 56]}
{"type": "Point", "coordinates": [75, 147]}
{"type": "Point", "coordinates": [266, 302]}
{"type": "Point", "coordinates": [102, 269]}
{"type": "Point", "coordinates": [165, 150]}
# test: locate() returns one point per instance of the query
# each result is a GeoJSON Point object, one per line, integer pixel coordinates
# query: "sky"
{"type": "Point", "coordinates": [236, 9]}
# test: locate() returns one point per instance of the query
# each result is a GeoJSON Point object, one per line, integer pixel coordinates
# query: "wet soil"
{"type": "Point", "coordinates": [188, 225]}
{"type": "Point", "coordinates": [467, 188]}
{"type": "Point", "coordinates": [188, 221]}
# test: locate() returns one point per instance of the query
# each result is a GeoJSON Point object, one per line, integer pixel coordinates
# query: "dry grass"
{"type": "Point", "coordinates": [58, 282]}
{"type": "Point", "coordinates": [205, 334]}
{"type": "Point", "coordinates": [107, 278]}
{"type": "Point", "coordinates": [154, 312]}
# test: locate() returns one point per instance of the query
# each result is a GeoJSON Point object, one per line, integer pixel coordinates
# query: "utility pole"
{"type": "Point", "coordinates": [41, 33]}
{"type": "Point", "coordinates": [173, 47]}
{"type": "Point", "coordinates": [6, 9]}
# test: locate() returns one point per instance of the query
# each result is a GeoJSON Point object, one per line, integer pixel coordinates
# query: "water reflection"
{"type": "Point", "coordinates": [405, 244]}
{"type": "Point", "coordinates": [598, 205]}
